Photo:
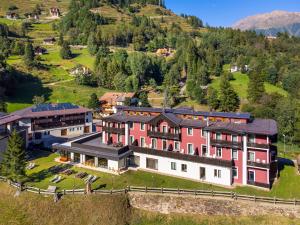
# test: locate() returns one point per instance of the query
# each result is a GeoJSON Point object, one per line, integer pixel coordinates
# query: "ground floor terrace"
{"type": "Point", "coordinates": [287, 186]}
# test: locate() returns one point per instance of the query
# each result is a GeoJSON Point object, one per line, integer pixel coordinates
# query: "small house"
{"type": "Point", "coordinates": [49, 41]}
{"type": "Point", "coordinates": [32, 16]}
{"type": "Point", "coordinates": [164, 52]}
{"type": "Point", "coordinates": [80, 70]}
{"type": "Point", "coordinates": [12, 16]}
{"type": "Point", "coordinates": [40, 50]}
{"type": "Point", "coordinates": [54, 12]}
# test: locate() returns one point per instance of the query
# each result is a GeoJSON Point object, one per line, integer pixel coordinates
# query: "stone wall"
{"type": "Point", "coordinates": [208, 206]}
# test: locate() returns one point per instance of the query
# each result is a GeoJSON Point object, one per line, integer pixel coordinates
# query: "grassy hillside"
{"type": "Point", "coordinates": [29, 209]}
{"type": "Point", "coordinates": [25, 6]}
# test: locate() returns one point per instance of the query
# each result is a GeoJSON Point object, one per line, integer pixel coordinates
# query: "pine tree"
{"type": "Point", "coordinates": [65, 51]}
{"type": "Point", "coordinates": [14, 159]}
{"type": "Point", "coordinates": [29, 55]}
{"type": "Point", "coordinates": [229, 100]}
{"type": "Point", "coordinates": [93, 102]}
{"type": "Point", "coordinates": [3, 104]}
{"type": "Point", "coordinates": [92, 44]}
{"type": "Point", "coordinates": [212, 98]}
{"type": "Point", "coordinates": [61, 39]}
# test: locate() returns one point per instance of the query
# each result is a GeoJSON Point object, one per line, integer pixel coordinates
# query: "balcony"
{"type": "Point", "coordinates": [258, 164]}
{"type": "Point", "coordinates": [114, 130]}
{"type": "Point", "coordinates": [168, 136]}
{"type": "Point", "coordinates": [57, 124]}
{"type": "Point", "coordinates": [255, 145]}
{"type": "Point", "coordinates": [185, 157]}
{"type": "Point", "coordinates": [224, 143]}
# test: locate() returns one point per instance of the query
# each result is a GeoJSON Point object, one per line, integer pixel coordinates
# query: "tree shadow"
{"type": "Point", "coordinates": [282, 163]}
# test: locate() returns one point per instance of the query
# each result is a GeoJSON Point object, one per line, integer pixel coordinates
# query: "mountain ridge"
{"type": "Point", "coordinates": [271, 23]}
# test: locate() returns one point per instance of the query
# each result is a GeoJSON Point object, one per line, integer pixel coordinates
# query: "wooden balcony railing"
{"type": "Point", "coordinates": [255, 145]}
{"type": "Point", "coordinates": [168, 136]}
{"type": "Point", "coordinates": [224, 143]}
{"type": "Point", "coordinates": [114, 130]}
{"type": "Point", "coordinates": [44, 126]}
{"type": "Point", "coordinates": [180, 156]}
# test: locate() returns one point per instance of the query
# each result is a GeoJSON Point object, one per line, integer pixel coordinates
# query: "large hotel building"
{"type": "Point", "coordinates": [214, 147]}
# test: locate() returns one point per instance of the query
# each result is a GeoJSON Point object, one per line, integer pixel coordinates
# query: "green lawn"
{"type": "Point", "coordinates": [240, 85]}
{"type": "Point", "coordinates": [286, 187]}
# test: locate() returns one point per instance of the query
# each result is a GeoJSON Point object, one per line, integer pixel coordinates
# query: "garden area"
{"type": "Point", "coordinates": [41, 175]}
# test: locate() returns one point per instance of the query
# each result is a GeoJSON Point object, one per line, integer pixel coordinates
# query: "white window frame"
{"type": "Point", "coordinates": [187, 131]}
{"type": "Point", "coordinates": [119, 137]}
{"type": "Point", "coordinates": [253, 173]}
{"type": "Point", "coordinates": [152, 143]}
{"type": "Point", "coordinates": [131, 139]}
{"type": "Point", "coordinates": [163, 129]}
{"type": "Point", "coordinates": [175, 168]}
{"type": "Point", "coordinates": [217, 136]}
{"type": "Point", "coordinates": [142, 126]}
{"type": "Point", "coordinates": [237, 173]}
{"type": "Point", "coordinates": [202, 150]}
{"type": "Point", "coordinates": [249, 157]}
{"type": "Point", "coordinates": [141, 141]}
{"type": "Point", "coordinates": [162, 144]}
{"type": "Point", "coordinates": [217, 152]}
{"type": "Point", "coordinates": [202, 132]}
{"type": "Point", "coordinates": [175, 142]}
{"type": "Point", "coordinates": [237, 154]}
{"type": "Point", "coordinates": [237, 137]}
{"type": "Point", "coordinates": [131, 123]}
{"type": "Point", "coordinates": [254, 139]}
{"type": "Point", "coordinates": [187, 146]}
{"type": "Point", "coordinates": [219, 173]}
{"type": "Point", "coordinates": [185, 166]}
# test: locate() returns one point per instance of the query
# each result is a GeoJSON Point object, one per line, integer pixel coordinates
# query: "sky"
{"type": "Point", "coordinates": [227, 12]}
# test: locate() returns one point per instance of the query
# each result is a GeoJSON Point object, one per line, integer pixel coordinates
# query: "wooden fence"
{"type": "Point", "coordinates": [172, 191]}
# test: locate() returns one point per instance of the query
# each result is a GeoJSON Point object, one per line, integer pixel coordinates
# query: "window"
{"type": "Point", "coordinates": [183, 167]}
{"type": "Point", "coordinates": [204, 133]}
{"type": "Point", "coordinates": [142, 126]}
{"type": "Point", "coordinates": [119, 138]}
{"type": "Point", "coordinates": [119, 125]}
{"type": "Point", "coordinates": [173, 165]}
{"type": "Point", "coordinates": [165, 129]}
{"type": "Point", "coordinates": [154, 143]}
{"type": "Point", "coordinates": [190, 131]}
{"type": "Point", "coordinates": [131, 139]}
{"type": "Point", "coordinates": [234, 155]}
{"type": "Point", "coordinates": [251, 176]}
{"type": "Point", "coordinates": [176, 130]}
{"type": "Point", "coordinates": [217, 173]}
{"type": "Point", "coordinates": [164, 144]}
{"type": "Point", "coordinates": [234, 138]}
{"type": "Point", "coordinates": [190, 149]}
{"type": "Point", "coordinates": [131, 125]}
{"type": "Point", "coordinates": [177, 146]}
{"type": "Point", "coordinates": [204, 150]}
{"type": "Point", "coordinates": [219, 152]}
{"type": "Point", "coordinates": [152, 164]}
{"type": "Point", "coordinates": [234, 172]}
{"type": "Point", "coordinates": [142, 142]}
{"type": "Point", "coordinates": [252, 138]}
{"type": "Point", "coordinates": [251, 156]}
{"type": "Point", "coordinates": [218, 136]}
{"type": "Point", "coordinates": [202, 173]}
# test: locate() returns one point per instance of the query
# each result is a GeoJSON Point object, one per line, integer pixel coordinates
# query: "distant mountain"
{"type": "Point", "coordinates": [272, 23]}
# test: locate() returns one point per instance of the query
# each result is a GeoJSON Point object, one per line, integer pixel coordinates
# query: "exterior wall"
{"type": "Point", "coordinates": [260, 155]}
{"type": "Point", "coordinates": [196, 139]}
{"type": "Point", "coordinates": [261, 175]}
{"type": "Point", "coordinates": [193, 169]}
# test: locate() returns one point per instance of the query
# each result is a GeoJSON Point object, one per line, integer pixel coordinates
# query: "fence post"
{"type": "Point", "coordinates": [254, 198]}
{"type": "Point", "coordinates": [111, 191]}
{"type": "Point", "coordinates": [235, 196]}
{"type": "Point", "coordinates": [195, 192]}
{"type": "Point", "coordinates": [146, 189]}
{"type": "Point", "coordinates": [64, 191]}
{"type": "Point", "coordinates": [162, 190]}
{"type": "Point", "coordinates": [212, 193]}
{"type": "Point", "coordinates": [73, 191]}
{"type": "Point", "coordinates": [178, 191]}
{"type": "Point", "coordinates": [232, 195]}
{"type": "Point", "coordinates": [39, 191]}
{"type": "Point", "coordinates": [129, 189]}
{"type": "Point", "coordinates": [295, 202]}
{"type": "Point", "coordinates": [275, 200]}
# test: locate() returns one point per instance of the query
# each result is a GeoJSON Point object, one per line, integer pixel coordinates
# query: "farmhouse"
{"type": "Point", "coordinates": [49, 41]}
{"type": "Point", "coordinates": [32, 16]}
{"type": "Point", "coordinates": [54, 12]}
{"type": "Point", "coordinates": [49, 123]}
{"type": "Point", "coordinates": [80, 70]}
{"type": "Point", "coordinates": [38, 50]}
{"type": "Point", "coordinates": [110, 100]}
{"type": "Point", "coordinates": [12, 16]}
{"type": "Point", "coordinates": [219, 148]}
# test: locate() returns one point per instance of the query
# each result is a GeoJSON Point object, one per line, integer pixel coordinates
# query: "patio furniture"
{"type": "Point", "coordinates": [57, 180]}
{"type": "Point", "coordinates": [87, 180]}
{"type": "Point", "coordinates": [52, 189]}
{"type": "Point", "coordinates": [93, 179]}
{"type": "Point", "coordinates": [81, 175]}
{"type": "Point", "coordinates": [30, 166]}
{"type": "Point", "coordinates": [53, 179]}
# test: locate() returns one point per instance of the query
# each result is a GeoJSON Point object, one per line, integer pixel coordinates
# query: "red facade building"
{"type": "Point", "coordinates": [214, 147]}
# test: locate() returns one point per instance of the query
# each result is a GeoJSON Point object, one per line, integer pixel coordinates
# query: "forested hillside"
{"type": "Point", "coordinates": [142, 46]}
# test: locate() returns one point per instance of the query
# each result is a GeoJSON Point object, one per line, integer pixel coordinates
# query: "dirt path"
{"type": "Point", "coordinates": [59, 82]}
